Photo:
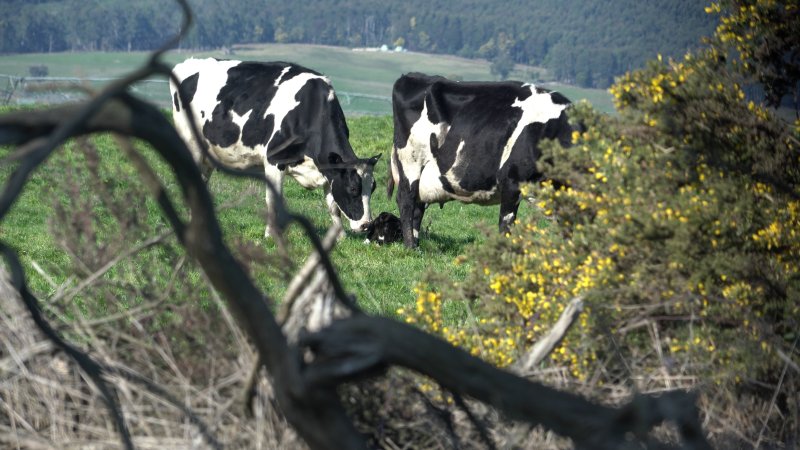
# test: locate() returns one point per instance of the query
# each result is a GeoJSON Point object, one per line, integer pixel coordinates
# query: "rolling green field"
{"type": "Point", "coordinates": [358, 76]}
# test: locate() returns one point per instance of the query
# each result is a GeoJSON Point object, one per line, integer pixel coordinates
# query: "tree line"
{"type": "Point", "coordinates": [584, 42]}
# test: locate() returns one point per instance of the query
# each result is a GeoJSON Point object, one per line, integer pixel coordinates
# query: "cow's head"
{"type": "Point", "coordinates": [351, 185]}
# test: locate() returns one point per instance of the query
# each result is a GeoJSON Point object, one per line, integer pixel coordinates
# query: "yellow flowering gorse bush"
{"type": "Point", "coordinates": [677, 221]}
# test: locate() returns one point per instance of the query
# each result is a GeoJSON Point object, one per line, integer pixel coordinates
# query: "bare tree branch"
{"type": "Point", "coordinates": [350, 348]}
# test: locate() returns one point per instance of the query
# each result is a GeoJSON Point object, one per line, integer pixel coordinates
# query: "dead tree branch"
{"type": "Point", "coordinates": [350, 348]}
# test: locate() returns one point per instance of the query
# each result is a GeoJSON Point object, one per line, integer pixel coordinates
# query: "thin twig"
{"type": "Point", "coordinates": [153, 183]}
{"type": "Point", "coordinates": [783, 356]}
{"type": "Point", "coordinates": [161, 393]}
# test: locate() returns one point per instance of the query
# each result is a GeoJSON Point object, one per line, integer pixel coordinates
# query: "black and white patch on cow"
{"type": "Point", "coordinates": [279, 116]}
{"type": "Point", "coordinates": [474, 142]}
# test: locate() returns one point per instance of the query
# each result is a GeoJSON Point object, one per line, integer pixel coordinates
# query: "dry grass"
{"type": "Point", "coordinates": [199, 367]}
{"type": "Point", "coordinates": [47, 403]}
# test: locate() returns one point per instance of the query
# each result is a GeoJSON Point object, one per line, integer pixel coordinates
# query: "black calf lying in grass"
{"type": "Point", "coordinates": [385, 229]}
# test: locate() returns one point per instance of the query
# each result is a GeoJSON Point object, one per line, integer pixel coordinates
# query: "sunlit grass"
{"type": "Point", "coordinates": [381, 277]}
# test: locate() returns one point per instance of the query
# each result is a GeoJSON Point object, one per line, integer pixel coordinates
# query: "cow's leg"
{"type": "Point", "coordinates": [274, 196]}
{"type": "Point", "coordinates": [411, 211]}
{"type": "Point", "coordinates": [509, 204]}
{"type": "Point", "coordinates": [416, 224]}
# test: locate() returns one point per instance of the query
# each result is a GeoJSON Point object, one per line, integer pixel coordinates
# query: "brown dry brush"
{"type": "Point", "coordinates": [311, 379]}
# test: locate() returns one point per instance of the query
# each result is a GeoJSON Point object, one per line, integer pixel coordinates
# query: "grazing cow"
{"type": "Point", "coordinates": [385, 229]}
{"type": "Point", "coordinates": [474, 142]}
{"type": "Point", "coordinates": [279, 116]}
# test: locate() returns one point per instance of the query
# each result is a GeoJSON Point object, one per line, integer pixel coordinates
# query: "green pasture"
{"type": "Point", "coordinates": [382, 278]}
{"type": "Point", "coordinates": [363, 79]}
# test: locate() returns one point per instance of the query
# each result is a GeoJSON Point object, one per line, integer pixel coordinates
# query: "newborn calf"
{"type": "Point", "coordinates": [385, 229]}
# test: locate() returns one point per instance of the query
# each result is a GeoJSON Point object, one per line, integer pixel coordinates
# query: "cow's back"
{"type": "Point", "coordinates": [200, 83]}
{"type": "Point", "coordinates": [240, 107]}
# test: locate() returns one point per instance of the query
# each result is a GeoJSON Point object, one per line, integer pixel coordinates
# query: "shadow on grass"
{"type": "Point", "coordinates": [429, 243]}
{"type": "Point", "coordinates": [444, 243]}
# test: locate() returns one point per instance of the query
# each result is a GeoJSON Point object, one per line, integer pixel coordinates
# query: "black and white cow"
{"type": "Point", "coordinates": [474, 142]}
{"type": "Point", "coordinates": [279, 116]}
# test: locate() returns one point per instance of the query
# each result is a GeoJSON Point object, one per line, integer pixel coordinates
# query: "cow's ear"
{"type": "Point", "coordinates": [334, 158]}
{"type": "Point", "coordinates": [373, 160]}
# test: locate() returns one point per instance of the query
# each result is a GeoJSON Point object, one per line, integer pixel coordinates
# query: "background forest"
{"type": "Point", "coordinates": [581, 42]}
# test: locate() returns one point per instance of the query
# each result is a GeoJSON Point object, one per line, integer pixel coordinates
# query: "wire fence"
{"type": "Point", "coordinates": [46, 90]}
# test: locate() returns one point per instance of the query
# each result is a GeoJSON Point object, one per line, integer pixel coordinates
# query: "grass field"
{"type": "Point", "coordinates": [358, 76]}
{"type": "Point", "coordinates": [382, 278]}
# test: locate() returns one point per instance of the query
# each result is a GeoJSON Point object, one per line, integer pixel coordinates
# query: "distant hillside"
{"type": "Point", "coordinates": [586, 42]}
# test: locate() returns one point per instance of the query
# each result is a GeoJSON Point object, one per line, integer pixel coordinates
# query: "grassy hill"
{"type": "Point", "coordinates": [363, 79]}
